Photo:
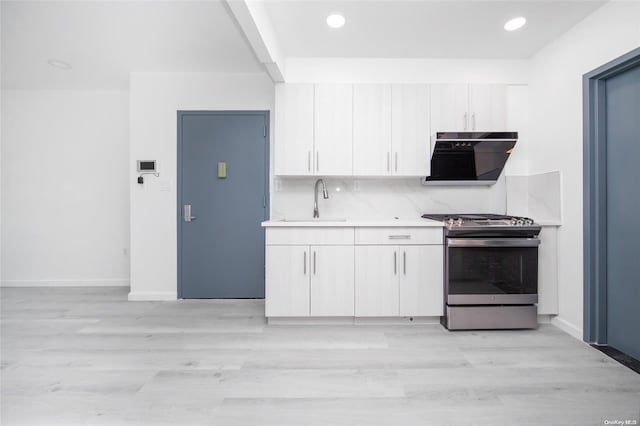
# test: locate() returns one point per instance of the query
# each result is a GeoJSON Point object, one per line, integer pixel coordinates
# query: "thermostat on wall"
{"type": "Point", "coordinates": [147, 166]}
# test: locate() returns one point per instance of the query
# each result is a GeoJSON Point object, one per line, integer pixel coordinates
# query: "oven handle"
{"type": "Point", "coordinates": [493, 242]}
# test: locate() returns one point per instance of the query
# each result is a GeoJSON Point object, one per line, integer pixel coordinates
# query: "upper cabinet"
{"type": "Point", "coordinates": [333, 129]}
{"type": "Point", "coordinates": [372, 130]}
{"type": "Point", "coordinates": [294, 129]}
{"type": "Point", "coordinates": [468, 107]}
{"type": "Point", "coordinates": [410, 129]}
{"type": "Point", "coordinates": [391, 130]}
{"type": "Point", "coordinates": [375, 129]}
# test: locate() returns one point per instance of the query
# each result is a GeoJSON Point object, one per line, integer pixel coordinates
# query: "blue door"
{"type": "Point", "coordinates": [222, 198]}
{"type": "Point", "coordinates": [623, 212]}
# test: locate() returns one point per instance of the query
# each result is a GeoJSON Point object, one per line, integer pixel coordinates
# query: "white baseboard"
{"type": "Point", "coordinates": [351, 320]}
{"type": "Point", "coordinates": [149, 296]}
{"type": "Point", "coordinates": [66, 283]}
{"type": "Point", "coordinates": [567, 327]}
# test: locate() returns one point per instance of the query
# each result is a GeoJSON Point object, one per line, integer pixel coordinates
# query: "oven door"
{"type": "Point", "coordinates": [491, 271]}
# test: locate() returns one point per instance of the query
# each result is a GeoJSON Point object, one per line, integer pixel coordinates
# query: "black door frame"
{"type": "Point", "coordinates": [595, 194]}
{"type": "Point", "coordinates": [267, 206]}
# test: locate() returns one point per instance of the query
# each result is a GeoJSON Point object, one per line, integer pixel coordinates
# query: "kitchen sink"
{"type": "Point", "coordinates": [316, 219]}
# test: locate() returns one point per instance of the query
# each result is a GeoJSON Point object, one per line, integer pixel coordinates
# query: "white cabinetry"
{"type": "Point", "coordinates": [548, 271]}
{"type": "Point", "coordinates": [410, 130]}
{"type": "Point", "coordinates": [331, 280]}
{"type": "Point", "coordinates": [309, 272]}
{"type": "Point", "coordinates": [468, 107]}
{"type": "Point", "coordinates": [287, 281]}
{"type": "Point", "coordinates": [294, 129]}
{"type": "Point", "coordinates": [333, 129]}
{"type": "Point", "coordinates": [372, 130]}
{"type": "Point", "coordinates": [376, 286]}
{"type": "Point", "coordinates": [398, 279]}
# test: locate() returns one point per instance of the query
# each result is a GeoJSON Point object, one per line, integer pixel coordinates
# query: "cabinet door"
{"type": "Point", "coordinates": [331, 280]}
{"type": "Point", "coordinates": [287, 281]}
{"type": "Point", "coordinates": [333, 126]}
{"type": "Point", "coordinates": [294, 129]}
{"type": "Point", "coordinates": [449, 107]}
{"type": "Point", "coordinates": [487, 107]}
{"type": "Point", "coordinates": [410, 130]}
{"type": "Point", "coordinates": [548, 271]}
{"type": "Point", "coordinates": [421, 280]}
{"type": "Point", "coordinates": [372, 130]}
{"type": "Point", "coordinates": [376, 286]}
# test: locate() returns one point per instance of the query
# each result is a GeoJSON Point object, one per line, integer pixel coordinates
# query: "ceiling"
{"type": "Point", "coordinates": [422, 28]}
{"type": "Point", "coordinates": [105, 40]}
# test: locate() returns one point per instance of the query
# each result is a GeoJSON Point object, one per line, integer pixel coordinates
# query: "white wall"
{"type": "Point", "coordinates": [155, 99]}
{"type": "Point", "coordinates": [65, 208]}
{"type": "Point", "coordinates": [556, 128]}
{"type": "Point", "coordinates": [376, 70]}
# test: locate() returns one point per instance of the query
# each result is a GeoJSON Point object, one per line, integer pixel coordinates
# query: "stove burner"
{"type": "Point", "coordinates": [463, 220]}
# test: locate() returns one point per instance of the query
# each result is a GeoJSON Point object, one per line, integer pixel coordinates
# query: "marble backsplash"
{"type": "Point", "coordinates": [537, 196]}
{"type": "Point", "coordinates": [381, 198]}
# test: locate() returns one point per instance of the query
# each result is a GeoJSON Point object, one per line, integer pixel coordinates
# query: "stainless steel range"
{"type": "Point", "coordinates": [491, 271]}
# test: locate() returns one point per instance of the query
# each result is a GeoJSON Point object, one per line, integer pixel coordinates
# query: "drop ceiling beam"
{"type": "Point", "coordinates": [256, 25]}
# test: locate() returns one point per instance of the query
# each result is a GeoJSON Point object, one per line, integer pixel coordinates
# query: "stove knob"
{"type": "Point", "coordinates": [520, 222]}
{"type": "Point", "coordinates": [459, 222]}
{"type": "Point", "coordinates": [514, 221]}
{"type": "Point", "coordinates": [450, 221]}
{"type": "Point", "coordinates": [528, 221]}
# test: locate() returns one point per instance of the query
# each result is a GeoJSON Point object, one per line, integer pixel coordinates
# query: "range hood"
{"type": "Point", "coordinates": [469, 158]}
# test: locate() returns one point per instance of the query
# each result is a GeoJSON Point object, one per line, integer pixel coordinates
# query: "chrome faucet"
{"type": "Point", "coordinates": [325, 195]}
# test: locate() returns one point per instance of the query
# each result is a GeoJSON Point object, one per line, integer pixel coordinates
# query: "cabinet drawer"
{"type": "Point", "coordinates": [398, 236]}
{"type": "Point", "coordinates": [309, 236]}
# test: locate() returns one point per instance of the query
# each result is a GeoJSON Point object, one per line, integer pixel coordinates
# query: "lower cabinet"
{"type": "Point", "coordinates": [309, 280]}
{"type": "Point", "coordinates": [398, 280]}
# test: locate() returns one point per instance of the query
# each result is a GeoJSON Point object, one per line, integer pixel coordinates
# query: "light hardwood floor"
{"type": "Point", "coordinates": [86, 356]}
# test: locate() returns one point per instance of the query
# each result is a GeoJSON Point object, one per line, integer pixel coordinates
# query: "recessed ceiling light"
{"type": "Point", "coordinates": [335, 21]}
{"type": "Point", "coordinates": [59, 64]}
{"type": "Point", "coordinates": [515, 23]}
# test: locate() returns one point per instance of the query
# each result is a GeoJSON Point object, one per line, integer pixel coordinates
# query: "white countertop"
{"type": "Point", "coordinates": [329, 222]}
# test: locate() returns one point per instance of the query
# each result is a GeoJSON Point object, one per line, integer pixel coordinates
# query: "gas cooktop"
{"type": "Point", "coordinates": [479, 219]}
{"type": "Point", "coordinates": [482, 224]}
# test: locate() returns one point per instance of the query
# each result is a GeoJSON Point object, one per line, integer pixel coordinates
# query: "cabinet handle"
{"type": "Point", "coordinates": [473, 120]}
{"type": "Point", "coordinates": [465, 121]}
{"type": "Point", "coordinates": [396, 162]}
{"type": "Point", "coordinates": [399, 237]}
{"type": "Point", "coordinates": [305, 262]}
{"type": "Point", "coordinates": [404, 262]}
{"type": "Point", "coordinates": [395, 263]}
{"type": "Point", "coordinates": [309, 161]}
{"type": "Point", "coordinates": [314, 263]}
{"type": "Point", "coordinates": [388, 161]}
{"type": "Point", "coordinates": [317, 161]}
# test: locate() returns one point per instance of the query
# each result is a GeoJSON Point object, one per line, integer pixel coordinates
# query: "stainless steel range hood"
{"type": "Point", "coordinates": [469, 158]}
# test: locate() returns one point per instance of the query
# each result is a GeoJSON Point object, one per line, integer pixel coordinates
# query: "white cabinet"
{"type": "Point", "coordinates": [376, 286]}
{"type": "Point", "coordinates": [372, 130]}
{"type": "Point", "coordinates": [410, 129]}
{"type": "Point", "coordinates": [468, 107]}
{"type": "Point", "coordinates": [548, 271]}
{"type": "Point", "coordinates": [294, 129]}
{"type": "Point", "coordinates": [421, 280]}
{"type": "Point", "coordinates": [333, 129]}
{"type": "Point", "coordinates": [287, 281]}
{"type": "Point", "coordinates": [401, 280]}
{"type": "Point", "coordinates": [449, 107]}
{"type": "Point", "coordinates": [332, 280]}
{"type": "Point", "coordinates": [487, 107]}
